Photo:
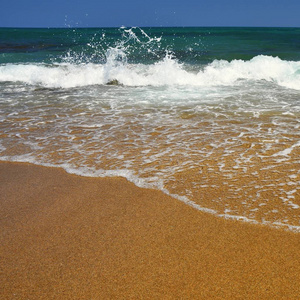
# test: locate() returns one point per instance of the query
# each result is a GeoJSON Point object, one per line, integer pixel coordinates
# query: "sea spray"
{"type": "Point", "coordinates": [167, 71]}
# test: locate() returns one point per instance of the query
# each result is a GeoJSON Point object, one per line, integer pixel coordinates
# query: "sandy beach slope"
{"type": "Point", "coordinates": [68, 237]}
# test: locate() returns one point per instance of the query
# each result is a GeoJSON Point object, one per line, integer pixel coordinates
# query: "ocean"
{"type": "Point", "coordinates": [210, 116]}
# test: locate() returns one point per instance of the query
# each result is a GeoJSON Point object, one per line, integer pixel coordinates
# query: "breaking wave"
{"type": "Point", "coordinates": [166, 72]}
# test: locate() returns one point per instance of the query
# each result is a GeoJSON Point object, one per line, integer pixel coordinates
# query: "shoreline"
{"type": "Point", "coordinates": [70, 237]}
{"type": "Point", "coordinates": [183, 199]}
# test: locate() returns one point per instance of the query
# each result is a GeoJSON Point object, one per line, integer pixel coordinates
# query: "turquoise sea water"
{"type": "Point", "coordinates": [208, 115]}
{"type": "Point", "coordinates": [189, 45]}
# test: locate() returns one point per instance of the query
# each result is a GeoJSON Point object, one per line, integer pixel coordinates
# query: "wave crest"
{"type": "Point", "coordinates": [165, 72]}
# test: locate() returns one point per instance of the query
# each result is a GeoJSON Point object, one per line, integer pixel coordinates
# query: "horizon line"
{"type": "Point", "coordinates": [148, 26]}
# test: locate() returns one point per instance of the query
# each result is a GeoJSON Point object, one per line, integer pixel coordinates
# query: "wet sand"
{"type": "Point", "coordinates": [69, 237]}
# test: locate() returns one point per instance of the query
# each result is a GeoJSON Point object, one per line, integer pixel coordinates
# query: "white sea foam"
{"type": "Point", "coordinates": [165, 72]}
{"type": "Point", "coordinates": [154, 184]}
{"type": "Point", "coordinates": [287, 152]}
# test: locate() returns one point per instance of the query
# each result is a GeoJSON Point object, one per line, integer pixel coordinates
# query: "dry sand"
{"type": "Point", "coordinates": [68, 237]}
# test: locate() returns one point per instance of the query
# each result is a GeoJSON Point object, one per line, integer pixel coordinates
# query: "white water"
{"type": "Point", "coordinates": [167, 72]}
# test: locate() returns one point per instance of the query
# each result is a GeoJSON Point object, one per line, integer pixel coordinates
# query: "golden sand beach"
{"type": "Point", "coordinates": [69, 237]}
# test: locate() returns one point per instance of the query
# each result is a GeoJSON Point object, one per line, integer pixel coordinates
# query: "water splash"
{"type": "Point", "coordinates": [165, 72]}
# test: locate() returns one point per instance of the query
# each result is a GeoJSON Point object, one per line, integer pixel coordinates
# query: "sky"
{"type": "Point", "coordinates": [116, 13]}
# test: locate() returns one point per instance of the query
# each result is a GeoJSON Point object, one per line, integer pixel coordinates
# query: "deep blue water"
{"type": "Point", "coordinates": [189, 45]}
